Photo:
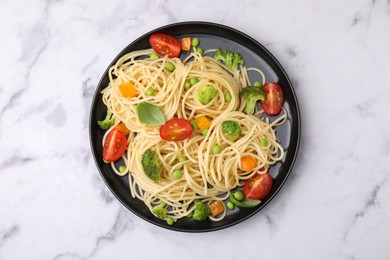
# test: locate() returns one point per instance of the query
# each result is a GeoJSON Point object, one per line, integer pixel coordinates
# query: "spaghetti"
{"type": "Point", "coordinates": [207, 177]}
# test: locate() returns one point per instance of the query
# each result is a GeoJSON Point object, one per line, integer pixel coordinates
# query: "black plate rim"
{"type": "Point", "coordinates": [297, 137]}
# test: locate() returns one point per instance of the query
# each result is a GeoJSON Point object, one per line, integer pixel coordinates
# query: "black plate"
{"type": "Point", "coordinates": [255, 55]}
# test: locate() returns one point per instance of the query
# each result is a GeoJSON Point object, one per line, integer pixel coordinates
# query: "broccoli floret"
{"type": "Point", "coordinates": [206, 94]}
{"type": "Point", "coordinates": [230, 58]}
{"type": "Point", "coordinates": [231, 129]}
{"type": "Point", "coordinates": [152, 165]}
{"type": "Point", "coordinates": [160, 211]}
{"type": "Point", "coordinates": [251, 95]}
{"type": "Point", "coordinates": [201, 211]}
{"type": "Point", "coordinates": [107, 122]}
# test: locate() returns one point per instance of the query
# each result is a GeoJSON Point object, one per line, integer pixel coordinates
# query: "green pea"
{"type": "Point", "coordinates": [182, 158]}
{"type": "Point", "coordinates": [122, 168]}
{"type": "Point", "coordinates": [149, 91]}
{"type": "Point", "coordinates": [257, 84]}
{"type": "Point", "coordinates": [177, 174]}
{"type": "Point", "coordinates": [200, 51]}
{"type": "Point", "coordinates": [107, 162]}
{"type": "Point", "coordinates": [228, 97]}
{"type": "Point", "coordinates": [187, 85]}
{"type": "Point", "coordinates": [170, 221]}
{"type": "Point", "coordinates": [194, 125]}
{"type": "Point", "coordinates": [216, 149]}
{"type": "Point", "coordinates": [205, 132]}
{"type": "Point", "coordinates": [264, 142]}
{"type": "Point", "coordinates": [195, 41]}
{"type": "Point", "coordinates": [170, 66]}
{"type": "Point", "coordinates": [230, 205]}
{"type": "Point", "coordinates": [153, 56]}
{"type": "Point", "coordinates": [239, 195]}
{"type": "Point", "coordinates": [194, 80]}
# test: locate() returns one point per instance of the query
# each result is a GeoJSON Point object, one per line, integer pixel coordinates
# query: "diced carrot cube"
{"type": "Point", "coordinates": [203, 122]}
{"type": "Point", "coordinates": [216, 208]}
{"type": "Point", "coordinates": [127, 89]}
{"type": "Point", "coordinates": [248, 163]}
{"type": "Point", "coordinates": [122, 127]}
{"type": "Point", "coordinates": [186, 44]}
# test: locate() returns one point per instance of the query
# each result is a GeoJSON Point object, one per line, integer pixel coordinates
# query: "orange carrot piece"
{"type": "Point", "coordinates": [122, 127]}
{"type": "Point", "coordinates": [186, 44]}
{"type": "Point", "coordinates": [216, 208]}
{"type": "Point", "coordinates": [203, 122]}
{"type": "Point", "coordinates": [127, 89]}
{"type": "Point", "coordinates": [248, 163]}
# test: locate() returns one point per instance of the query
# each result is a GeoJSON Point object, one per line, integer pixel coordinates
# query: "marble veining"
{"type": "Point", "coordinates": [54, 204]}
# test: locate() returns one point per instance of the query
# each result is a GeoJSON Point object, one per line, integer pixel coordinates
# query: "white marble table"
{"type": "Point", "coordinates": [54, 204]}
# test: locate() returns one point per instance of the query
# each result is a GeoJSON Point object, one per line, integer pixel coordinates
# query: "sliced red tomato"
{"type": "Point", "coordinates": [274, 98]}
{"type": "Point", "coordinates": [165, 44]}
{"type": "Point", "coordinates": [114, 146]}
{"type": "Point", "coordinates": [258, 186]}
{"type": "Point", "coordinates": [176, 129]}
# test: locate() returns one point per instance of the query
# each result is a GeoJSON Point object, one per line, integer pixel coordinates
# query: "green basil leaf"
{"type": "Point", "coordinates": [150, 114]}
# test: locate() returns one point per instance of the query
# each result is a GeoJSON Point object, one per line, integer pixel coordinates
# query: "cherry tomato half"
{"type": "Point", "coordinates": [114, 145]}
{"type": "Point", "coordinates": [176, 129]}
{"type": "Point", "coordinates": [274, 98]}
{"type": "Point", "coordinates": [258, 186]}
{"type": "Point", "coordinates": [165, 44]}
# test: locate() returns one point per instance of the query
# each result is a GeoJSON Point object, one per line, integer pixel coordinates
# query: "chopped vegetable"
{"type": "Point", "coordinates": [114, 146]}
{"type": "Point", "coordinates": [205, 132]}
{"type": "Point", "coordinates": [122, 127]}
{"type": "Point", "coordinates": [153, 56]}
{"type": "Point", "coordinates": [152, 165]}
{"type": "Point", "coordinates": [122, 168]}
{"type": "Point", "coordinates": [182, 158]}
{"type": "Point", "coordinates": [195, 41]}
{"type": "Point", "coordinates": [169, 66]}
{"type": "Point", "coordinates": [150, 114]}
{"type": "Point", "coordinates": [127, 89]}
{"type": "Point", "coordinates": [230, 58]}
{"type": "Point", "coordinates": [274, 98]}
{"type": "Point", "coordinates": [264, 142]}
{"type": "Point", "coordinates": [231, 129]}
{"type": "Point", "coordinates": [170, 221]}
{"type": "Point", "coordinates": [251, 95]}
{"type": "Point", "coordinates": [149, 91]}
{"type": "Point", "coordinates": [200, 51]}
{"type": "Point", "coordinates": [257, 84]}
{"type": "Point", "coordinates": [238, 195]}
{"type": "Point", "coordinates": [194, 80]}
{"type": "Point", "coordinates": [245, 203]}
{"type": "Point", "coordinates": [248, 163]}
{"type": "Point", "coordinates": [203, 122]}
{"type": "Point", "coordinates": [258, 186]}
{"type": "Point", "coordinates": [230, 205]}
{"type": "Point", "coordinates": [194, 125]}
{"type": "Point", "coordinates": [228, 97]}
{"type": "Point", "coordinates": [201, 211]}
{"type": "Point", "coordinates": [187, 84]}
{"type": "Point", "coordinates": [216, 149]}
{"type": "Point", "coordinates": [206, 94]}
{"type": "Point", "coordinates": [186, 43]}
{"type": "Point", "coordinates": [176, 129]}
{"type": "Point", "coordinates": [165, 44]}
{"type": "Point", "coordinates": [160, 211]}
{"type": "Point", "coordinates": [177, 174]}
{"type": "Point", "coordinates": [107, 122]}
{"type": "Point", "coordinates": [216, 208]}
